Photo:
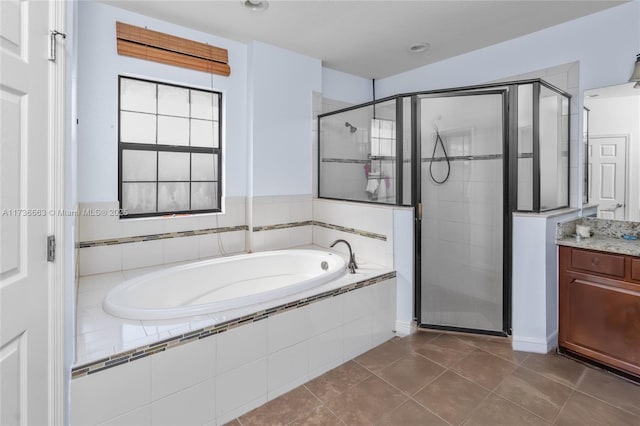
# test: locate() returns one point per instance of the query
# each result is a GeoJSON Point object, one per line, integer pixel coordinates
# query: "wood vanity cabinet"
{"type": "Point", "coordinates": [599, 307]}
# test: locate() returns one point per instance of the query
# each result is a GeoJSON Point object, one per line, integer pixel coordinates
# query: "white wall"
{"type": "Point", "coordinates": [98, 68]}
{"type": "Point", "coordinates": [605, 43]}
{"type": "Point", "coordinates": [621, 116]}
{"type": "Point", "coordinates": [280, 104]}
{"type": "Point", "coordinates": [340, 86]}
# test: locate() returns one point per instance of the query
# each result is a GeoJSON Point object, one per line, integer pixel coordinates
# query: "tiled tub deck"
{"type": "Point", "coordinates": [213, 368]}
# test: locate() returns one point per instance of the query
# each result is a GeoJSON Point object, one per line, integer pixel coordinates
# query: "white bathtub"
{"type": "Point", "coordinates": [221, 284]}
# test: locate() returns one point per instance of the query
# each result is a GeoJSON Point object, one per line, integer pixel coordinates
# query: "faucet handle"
{"type": "Point", "coordinates": [353, 260]}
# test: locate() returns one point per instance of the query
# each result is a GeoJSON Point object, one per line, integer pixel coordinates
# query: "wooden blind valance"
{"type": "Point", "coordinates": [150, 45]}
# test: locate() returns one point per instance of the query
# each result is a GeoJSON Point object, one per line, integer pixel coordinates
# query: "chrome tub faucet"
{"type": "Point", "coordinates": [352, 265]}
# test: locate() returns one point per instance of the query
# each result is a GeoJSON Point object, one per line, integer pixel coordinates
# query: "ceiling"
{"type": "Point", "coordinates": [370, 39]}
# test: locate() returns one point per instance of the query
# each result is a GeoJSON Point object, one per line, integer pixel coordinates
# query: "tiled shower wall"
{"type": "Point", "coordinates": [565, 77]}
{"type": "Point", "coordinates": [368, 228]}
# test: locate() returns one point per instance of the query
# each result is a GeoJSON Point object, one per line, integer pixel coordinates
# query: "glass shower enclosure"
{"type": "Point", "coordinates": [465, 158]}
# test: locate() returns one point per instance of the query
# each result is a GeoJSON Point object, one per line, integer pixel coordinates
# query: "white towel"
{"type": "Point", "coordinates": [372, 186]}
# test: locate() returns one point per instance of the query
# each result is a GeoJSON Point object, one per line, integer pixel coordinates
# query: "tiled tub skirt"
{"type": "Point", "coordinates": [218, 372]}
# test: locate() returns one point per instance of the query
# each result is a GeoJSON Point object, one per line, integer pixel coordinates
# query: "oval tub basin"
{"type": "Point", "coordinates": [222, 284]}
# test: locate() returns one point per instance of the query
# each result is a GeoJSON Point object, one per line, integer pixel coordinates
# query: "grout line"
{"type": "Point", "coordinates": [606, 402]}
{"type": "Point", "coordinates": [308, 412]}
{"type": "Point", "coordinates": [520, 406]}
{"type": "Point", "coordinates": [466, 419]}
{"type": "Point", "coordinates": [553, 379]}
{"type": "Point", "coordinates": [335, 414]}
{"type": "Point", "coordinates": [428, 383]}
{"type": "Point", "coordinates": [555, 420]}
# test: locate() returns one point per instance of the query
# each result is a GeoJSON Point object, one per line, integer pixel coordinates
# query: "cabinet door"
{"type": "Point", "coordinates": [602, 321]}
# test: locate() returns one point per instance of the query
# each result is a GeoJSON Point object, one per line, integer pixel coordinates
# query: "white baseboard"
{"type": "Point", "coordinates": [405, 328]}
{"type": "Point", "coordinates": [534, 344]}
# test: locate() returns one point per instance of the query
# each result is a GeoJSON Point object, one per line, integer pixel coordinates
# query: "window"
{"type": "Point", "coordinates": [170, 153]}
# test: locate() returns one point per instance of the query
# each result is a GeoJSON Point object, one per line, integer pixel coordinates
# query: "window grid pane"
{"type": "Point", "coordinates": [167, 164]}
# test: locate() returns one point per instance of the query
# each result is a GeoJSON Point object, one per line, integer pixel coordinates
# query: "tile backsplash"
{"type": "Point", "coordinates": [367, 227]}
{"type": "Point", "coordinates": [108, 243]}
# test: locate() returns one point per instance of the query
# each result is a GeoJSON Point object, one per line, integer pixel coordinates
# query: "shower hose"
{"type": "Point", "coordinates": [433, 156]}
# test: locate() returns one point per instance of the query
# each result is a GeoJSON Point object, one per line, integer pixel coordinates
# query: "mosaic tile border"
{"type": "Point", "coordinates": [360, 232]}
{"type": "Point", "coordinates": [282, 226]}
{"type": "Point", "coordinates": [152, 237]}
{"type": "Point", "coordinates": [322, 224]}
{"type": "Point", "coordinates": [191, 233]}
{"type": "Point", "coordinates": [464, 158]}
{"type": "Point", "coordinates": [172, 342]}
{"type": "Point", "coordinates": [363, 161]}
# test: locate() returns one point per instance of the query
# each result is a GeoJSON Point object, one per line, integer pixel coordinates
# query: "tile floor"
{"type": "Point", "coordinates": [431, 378]}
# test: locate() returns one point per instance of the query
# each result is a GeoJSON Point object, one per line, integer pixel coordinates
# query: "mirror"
{"type": "Point", "coordinates": [612, 151]}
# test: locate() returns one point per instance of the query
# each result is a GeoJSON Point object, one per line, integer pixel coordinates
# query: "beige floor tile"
{"type": "Point", "coordinates": [366, 402]}
{"type": "Point", "coordinates": [416, 339]}
{"type": "Point", "coordinates": [319, 416]}
{"type": "Point", "coordinates": [499, 347]}
{"type": "Point", "coordinates": [614, 390]}
{"type": "Point", "coordinates": [411, 414]}
{"type": "Point", "coordinates": [583, 410]}
{"type": "Point", "coordinates": [496, 411]}
{"type": "Point", "coordinates": [282, 410]}
{"type": "Point", "coordinates": [534, 392]}
{"type": "Point", "coordinates": [338, 380]}
{"type": "Point", "coordinates": [411, 373]}
{"type": "Point", "coordinates": [451, 341]}
{"type": "Point", "coordinates": [381, 356]}
{"type": "Point", "coordinates": [451, 397]}
{"type": "Point", "coordinates": [555, 367]}
{"type": "Point", "coordinates": [484, 369]}
{"type": "Point", "coordinates": [451, 377]}
{"type": "Point", "coordinates": [443, 356]}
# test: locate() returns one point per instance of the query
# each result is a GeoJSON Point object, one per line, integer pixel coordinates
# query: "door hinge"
{"type": "Point", "coordinates": [52, 43]}
{"type": "Point", "coordinates": [419, 211]}
{"type": "Point", "coordinates": [51, 248]}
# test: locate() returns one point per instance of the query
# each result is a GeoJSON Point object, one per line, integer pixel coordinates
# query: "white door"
{"type": "Point", "coordinates": [607, 166]}
{"type": "Point", "coordinates": [24, 279]}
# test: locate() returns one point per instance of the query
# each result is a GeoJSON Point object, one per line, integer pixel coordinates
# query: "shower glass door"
{"type": "Point", "coordinates": [462, 194]}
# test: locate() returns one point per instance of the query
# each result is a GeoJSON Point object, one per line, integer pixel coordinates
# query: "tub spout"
{"type": "Point", "coordinates": [352, 265]}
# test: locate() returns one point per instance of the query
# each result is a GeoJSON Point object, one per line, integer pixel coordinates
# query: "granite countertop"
{"type": "Point", "coordinates": [606, 235]}
{"type": "Point", "coordinates": [603, 243]}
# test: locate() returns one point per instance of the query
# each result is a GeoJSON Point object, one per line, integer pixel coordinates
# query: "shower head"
{"type": "Point", "coordinates": [352, 129]}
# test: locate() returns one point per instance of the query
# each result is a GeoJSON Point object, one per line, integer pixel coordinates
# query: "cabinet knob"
{"type": "Point", "coordinates": [595, 261]}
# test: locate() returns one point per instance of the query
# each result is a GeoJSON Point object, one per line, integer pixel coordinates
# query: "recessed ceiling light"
{"type": "Point", "coordinates": [595, 95]}
{"type": "Point", "coordinates": [419, 47]}
{"type": "Point", "coordinates": [256, 5]}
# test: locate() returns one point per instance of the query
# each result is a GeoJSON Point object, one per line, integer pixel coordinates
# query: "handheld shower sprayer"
{"type": "Point", "coordinates": [352, 129]}
{"type": "Point", "coordinates": [438, 139]}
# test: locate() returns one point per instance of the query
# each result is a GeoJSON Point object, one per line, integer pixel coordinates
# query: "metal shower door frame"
{"type": "Point", "coordinates": [508, 93]}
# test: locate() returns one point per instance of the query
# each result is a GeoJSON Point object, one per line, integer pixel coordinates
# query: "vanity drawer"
{"type": "Point", "coordinates": [609, 264]}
